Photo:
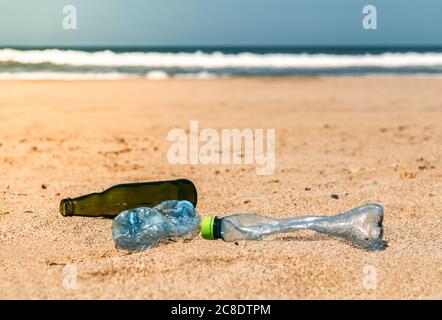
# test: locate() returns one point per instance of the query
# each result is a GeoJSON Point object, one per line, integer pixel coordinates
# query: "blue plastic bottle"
{"type": "Point", "coordinates": [140, 228]}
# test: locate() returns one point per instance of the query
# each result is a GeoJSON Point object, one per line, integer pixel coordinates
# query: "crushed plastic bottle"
{"type": "Point", "coordinates": [140, 228]}
{"type": "Point", "coordinates": [361, 226]}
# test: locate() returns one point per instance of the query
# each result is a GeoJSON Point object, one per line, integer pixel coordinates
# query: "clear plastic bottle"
{"type": "Point", "coordinates": [140, 228]}
{"type": "Point", "coordinates": [361, 226]}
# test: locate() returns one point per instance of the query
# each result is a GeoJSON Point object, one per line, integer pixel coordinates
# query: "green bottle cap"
{"type": "Point", "coordinates": [207, 228]}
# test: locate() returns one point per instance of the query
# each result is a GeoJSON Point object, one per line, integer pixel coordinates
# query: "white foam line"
{"type": "Point", "coordinates": [218, 60]}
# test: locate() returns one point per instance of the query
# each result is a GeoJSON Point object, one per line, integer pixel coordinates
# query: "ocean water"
{"type": "Point", "coordinates": [210, 62]}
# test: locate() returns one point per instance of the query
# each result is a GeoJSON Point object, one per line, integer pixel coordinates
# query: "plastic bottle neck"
{"type": "Point", "coordinates": [217, 228]}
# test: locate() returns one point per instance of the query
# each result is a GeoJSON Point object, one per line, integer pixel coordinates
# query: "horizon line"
{"type": "Point", "coordinates": [232, 46]}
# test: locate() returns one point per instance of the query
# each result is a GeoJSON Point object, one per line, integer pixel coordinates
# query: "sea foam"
{"type": "Point", "coordinates": [219, 60]}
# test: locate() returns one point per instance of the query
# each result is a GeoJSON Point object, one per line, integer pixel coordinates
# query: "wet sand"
{"type": "Point", "coordinates": [366, 139]}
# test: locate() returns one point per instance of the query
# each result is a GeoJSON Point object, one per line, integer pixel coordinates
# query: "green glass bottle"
{"type": "Point", "coordinates": [116, 199]}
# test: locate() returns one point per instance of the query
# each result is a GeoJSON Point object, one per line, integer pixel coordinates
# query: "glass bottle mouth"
{"type": "Point", "coordinates": [67, 207]}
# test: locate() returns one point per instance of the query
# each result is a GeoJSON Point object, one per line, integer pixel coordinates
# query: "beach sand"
{"type": "Point", "coordinates": [364, 139]}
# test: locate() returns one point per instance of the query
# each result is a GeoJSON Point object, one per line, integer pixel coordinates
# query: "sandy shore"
{"type": "Point", "coordinates": [364, 139]}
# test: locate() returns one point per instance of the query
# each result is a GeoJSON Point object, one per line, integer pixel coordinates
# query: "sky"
{"type": "Point", "coordinates": [220, 22]}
